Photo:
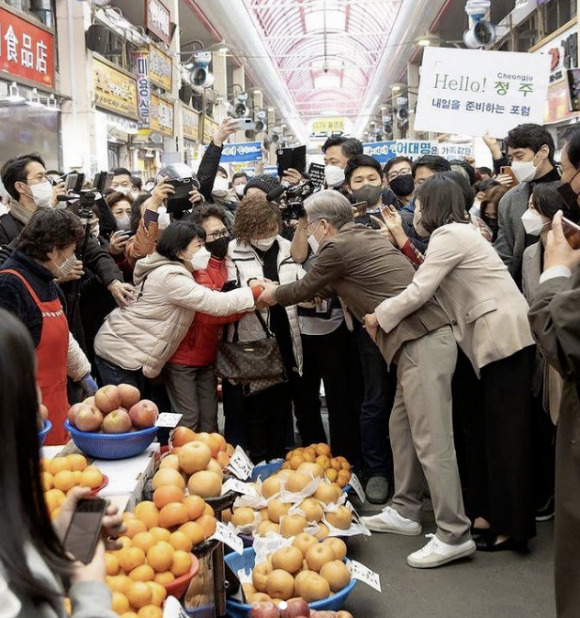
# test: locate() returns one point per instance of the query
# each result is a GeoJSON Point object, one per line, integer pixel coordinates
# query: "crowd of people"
{"type": "Point", "coordinates": [427, 304]}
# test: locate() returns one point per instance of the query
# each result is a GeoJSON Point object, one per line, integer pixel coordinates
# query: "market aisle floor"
{"type": "Point", "coordinates": [502, 585]}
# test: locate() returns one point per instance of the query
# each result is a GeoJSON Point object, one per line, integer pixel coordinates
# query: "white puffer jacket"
{"type": "Point", "coordinates": [147, 333]}
{"type": "Point", "coordinates": [244, 263]}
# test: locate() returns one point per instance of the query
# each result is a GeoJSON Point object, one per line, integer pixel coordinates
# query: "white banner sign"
{"type": "Point", "coordinates": [474, 91]}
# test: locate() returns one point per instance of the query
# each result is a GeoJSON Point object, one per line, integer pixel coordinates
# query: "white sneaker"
{"type": "Point", "coordinates": [436, 553]}
{"type": "Point", "coordinates": [389, 520]}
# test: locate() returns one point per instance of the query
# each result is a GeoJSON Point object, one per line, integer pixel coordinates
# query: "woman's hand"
{"type": "Point", "coordinates": [118, 242]}
{"type": "Point", "coordinates": [123, 293]}
{"type": "Point", "coordinates": [558, 251]}
{"type": "Point", "coordinates": [160, 193]}
{"type": "Point", "coordinates": [95, 571]}
{"type": "Point", "coordinates": [228, 127]}
{"type": "Point", "coordinates": [371, 325]}
{"type": "Point", "coordinates": [505, 180]}
{"type": "Point", "coordinates": [75, 274]}
{"type": "Point", "coordinates": [195, 196]}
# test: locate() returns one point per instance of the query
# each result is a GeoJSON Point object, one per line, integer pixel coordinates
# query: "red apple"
{"type": "Point", "coordinates": [264, 610]}
{"type": "Point", "coordinates": [117, 421]}
{"type": "Point", "coordinates": [130, 395]}
{"type": "Point", "coordinates": [292, 608]}
{"type": "Point", "coordinates": [72, 411]}
{"type": "Point", "coordinates": [144, 414]}
{"type": "Point", "coordinates": [88, 418]}
{"type": "Point", "coordinates": [108, 398]}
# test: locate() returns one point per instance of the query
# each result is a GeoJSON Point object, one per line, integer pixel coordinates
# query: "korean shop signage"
{"type": "Point", "coordinates": [158, 20]}
{"type": "Point", "coordinates": [26, 50]}
{"type": "Point", "coordinates": [161, 116]}
{"type": "Point", "coordinates": [160, 68]}
{"type": "Point", "coordinates": [114, 90]}
{"type": "Point", "coordinates": [141, 59]}
{"type": "Point", "coordinates": [190, 122]}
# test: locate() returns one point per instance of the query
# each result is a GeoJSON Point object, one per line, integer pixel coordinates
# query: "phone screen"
{"type": "Point", "coordinates": [316, 173]}
{"type": "Point", "coordinates": [571, 232]}
{"type": "Point", "coordinates": [84, 530]}
{"type": "Point", "coordinates": [71, 181]}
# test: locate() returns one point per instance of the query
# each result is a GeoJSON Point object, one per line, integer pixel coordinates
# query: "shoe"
{"type": "Point", "coordinates": [389, 520]}
{"type": "Point", "coordinates": [488, 544]}
{"type": "Point", "coordinates": [437, 553]}
{"type": "Point", "coordinates": [377, 490]}
{"type": "Point", "coordinates": [546, 512]}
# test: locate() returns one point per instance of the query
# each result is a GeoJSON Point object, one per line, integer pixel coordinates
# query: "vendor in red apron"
{"type": "Point", "coordinates": [28, 288]}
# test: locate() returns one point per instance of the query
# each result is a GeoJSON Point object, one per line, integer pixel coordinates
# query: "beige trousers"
{"type": "Point", "coordinates": [421, 433]}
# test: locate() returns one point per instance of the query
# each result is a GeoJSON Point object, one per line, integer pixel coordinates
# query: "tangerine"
{"type": "Point", "coordinates": [180, 540]}
{"type": "Point", "coordinates": [208, 510]}
{"type": "Point", "coordinates": [208, 525]}
{"type": "Point", "coordinates": [195, 506]}
{"type": "Point", "coordinates": [168, 476]}
{"type": "Point", "coordinates": [144, 540]}
{"type": "Point", "coordinates": [142, 573]}
{"type": "Point", "coordinates": [76, 461]}
{"type": "Point", "coordinates": [112, 564]}
{"type": "Point", "coordinates": [139, 594]}
{"type": "Point", "coordinates": [130, 558]}
{"type": "Point", "coordinates": [150, 611]}
{"type": "Point", "coordinates": [46, 478]}
{"type": "Point", "coordinates": [160, 534]}
{"type": "Point", "coordinates": [181, 563]}
{"type": "Point", "coordinates": [166, 494]}
{"type": "Point", "coordinates": [119, 583]}
{"type": "Point", "coordinates": [77, 474]}
{"type": "Point", "coordinates": [166, 577]}
{"type": "Point", "coordinates": [91, 477]}
{"type": "Point", "coordinates": [120, 602]}
{"type": "Point", "coordinates": [173, 514]}
{"type": "Point", "coordinates": [194, 531]}
{"type": "Point", "coordinates": [54, 498]}
{"type": "Point", "coordinates": [128, 615]}
{"type": "Point", "coordinates": [134, 526]}
{"type": "Point", "coordinates": [147, 512]}
{"type": "Point", "coordinates": [160, 556]}
{"type": "Point", "coordinates": [159, 593]}
{"type": "Point", "coordinates": [58, 464]}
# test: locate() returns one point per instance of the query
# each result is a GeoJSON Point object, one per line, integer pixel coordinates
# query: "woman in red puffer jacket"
{"type": "Point", "coordinates": [189, 374]}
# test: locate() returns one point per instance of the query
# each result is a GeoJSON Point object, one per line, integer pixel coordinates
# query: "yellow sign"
{"type": "Point", "coordinates": [114, 90]}
{"type": "Point", "coordinates": [328, 125]}
{"type": "Point", "coordinates": [209, 128]}
{"type": "Point", "coordinates": [160, 68]}
{"type": "Point", "coordinates": [190, 120]}
{"type": "Point", "coordinates": [161, 116]}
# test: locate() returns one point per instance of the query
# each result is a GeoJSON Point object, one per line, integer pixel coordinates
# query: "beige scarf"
{"type": "Point", "coordinates": [18, 211]}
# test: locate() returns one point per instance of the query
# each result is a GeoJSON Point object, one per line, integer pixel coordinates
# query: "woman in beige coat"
{"type": "Point", "coordinates": [489, 320]}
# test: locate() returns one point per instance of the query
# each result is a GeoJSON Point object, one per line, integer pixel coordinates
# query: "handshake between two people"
{"type": "Point", "coordinates": [267, 287]}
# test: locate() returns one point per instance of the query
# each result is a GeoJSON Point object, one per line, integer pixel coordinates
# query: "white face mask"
{"type": "Point", "coordinates": [220, 186]}
{"type": "Point", "coordinates": [263, 244]}
{"type": "Point", "coordinates": [476, 208]}
{"type": "Point", "coordinates": [418, 222]}
{"type": "Point", "coordinates": [123, 190]}
{"type": "Point", "coordinates": [240, 190]}
{"type": "Point", "coordinates": [524, 171]}
{"type": "Point", "coordinates": [42, 194]}
{"type": "Point", "coordinates": [334, 175]}
{"type": "Point", "coordinates": [533, 223]}
{"type": "Point", "coordinates": [96, 230]}
{"type": "Point", "coordinates": [123, 222]}
{"type": "Point", "coordinates": [200, 259]}
{"type": "Point", "coordinates": [65, 269]}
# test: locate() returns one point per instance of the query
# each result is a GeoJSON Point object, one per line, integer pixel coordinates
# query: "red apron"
{"type": "Point", "coordinates": [51, 356]}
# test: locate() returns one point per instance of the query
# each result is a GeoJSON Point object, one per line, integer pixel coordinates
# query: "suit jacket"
{"type": "Point", "coordinates": [462, 270]}
{"type": "Point", "coordinates": [363, 269]}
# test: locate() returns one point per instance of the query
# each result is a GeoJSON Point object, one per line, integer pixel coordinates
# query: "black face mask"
{"type": "Point", "coordinates": [218, 248]}
{"type": "Point", "coordinates": [402, 185]}
{"type": "Point", "coordinates": [569, 196]}
{"type": "Point", "coordinates": [370, 194]}
{"type": "Point", "coordinates": [492, 224]}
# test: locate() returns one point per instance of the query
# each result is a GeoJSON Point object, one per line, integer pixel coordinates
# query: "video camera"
{"type": "Point", "coordinates": [292, 198]}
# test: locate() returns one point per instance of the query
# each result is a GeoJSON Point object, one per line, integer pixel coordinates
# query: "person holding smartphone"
{"type": "Point", "coordinates": [34, 565]}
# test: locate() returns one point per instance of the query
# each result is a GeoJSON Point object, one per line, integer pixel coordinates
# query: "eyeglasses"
{"type": "Point", "coordinates": [310, 223]}
{"type": "Point", "coordinates": [37, 178]}
{"type": "Point", "coordinates": [404, 172]}
{"type": "Point", "coordinates": [218, 234]}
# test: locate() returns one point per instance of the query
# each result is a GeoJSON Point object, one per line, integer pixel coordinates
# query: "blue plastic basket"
{"type": "Point", "coordinates": [236, 609]}
{"type": "Point", "coordinates": [44, 431]}
{"type": "Point", "coordinates": [112, 445]}
{"type": "Point", "coordinates": [265, 470]}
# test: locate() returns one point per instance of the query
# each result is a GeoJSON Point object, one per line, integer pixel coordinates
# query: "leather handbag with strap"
{"type": "Point", "coordinates": [256, 365]}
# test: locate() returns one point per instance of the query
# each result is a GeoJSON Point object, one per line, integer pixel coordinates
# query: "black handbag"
{"type": "Point", "coordinates": [256, 365]}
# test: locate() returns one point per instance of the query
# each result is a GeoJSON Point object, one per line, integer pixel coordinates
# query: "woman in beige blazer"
{"type": "Point", "coordinates": [489, 319]}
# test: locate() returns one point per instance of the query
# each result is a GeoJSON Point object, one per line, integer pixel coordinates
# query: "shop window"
{"type": "Point", "coordinates": [43, 10]}
{"type": "Point", "coordinates": [527, 34]}
{"type": "Point", "coordinates": [557, 13]}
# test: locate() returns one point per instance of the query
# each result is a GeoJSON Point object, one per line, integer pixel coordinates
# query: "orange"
{"type": "Point", "coordinates": [166, 494]}
{"type": "Point", "coordinates": [195, 506]}
{"type": "Point", "coordinates": [181, 563]}
{"type": "Point", "coordinates": [64, 480]}
{"type": "Point", "coordinates": [164, 578]}
{"type": "Point", "coordinates": [125, 541]}
{"type": "Point", "coordinates": [208, 510]}
{"type": "Point", "coordinates": [46, 478]}
{"type": "Point", "coordinates": [76, 461]}
{"type": "Point", "coordinates": [182, 435]}
{"type": "Point", "coordinates": [147, 512]}
{"type": "Point", "coordinates": [221, 441]}
{"type": "Point", "coordinates": [159, 593]}
{"type": "Point", "coordinates": [120, 603]}
{"type": "Point", "coordinates": [128, 615]}
{"type": "Point", "coordinates": [77, 474]}
{"type": "Point", "coordinates": [144, 540]}
{"type": "Point", "coordinates": [130, 558]}
{"type": "Point", "coordinates": [160, 534]}
{"type": "Point", "coordinates": [194, 531]}
{"type": "Point", "coordinates": [160, 556]}
{"type": "Point", "coordinates": [139, 594]}
{"type": "Point", "coordinates": [207, 523]}
{"type": "Point", "coordinates": [173, 514]}
{"type": "Point", "coordinates": [57, 464]}
{"type": "Point", "coordinates": [134, 526]}
{"type": "Point", "coordinates": [112, 564]}
{"type": "Point", "coordinates": [54, 498]}
{"type": "Point", "coordinates": [91, 477]}
{"type": "Point", "coordinates": [118, 583]}
{"type": "Point", "coordinates": [143, 573]}
{"type": "Point", "coordinates": [150, 611]}
{"type": "Point", "coordinates": [168, 476]}
{"type": "Point", "coordinates": [180, 540]}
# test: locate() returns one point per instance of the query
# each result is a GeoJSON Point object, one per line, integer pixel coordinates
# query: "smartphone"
{"type": "Point", "coordinates": [316, 173]}
{"type": "Point", "coordinates": [84, 530]}
{"type": "Point", "coordinates": [246, 124]}
{"type": "Point", "coordinates": [291, 158]}
{"type": "Point", "coordinates": [359, 208]}
{"type": "Point", "coordinates": [103, 181]}
{"type": "Point", "coordinates": [179, 201]}
{"type": "Point", "coordinates": [571, 232]}
{"type": "Point", "coordinates": [506, 169]}
{"type": "Point", "coordinates": [71, 182]}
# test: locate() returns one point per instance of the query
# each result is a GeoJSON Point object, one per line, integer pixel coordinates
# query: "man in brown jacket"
{"type": "Point", "coordinates": [357, 264]}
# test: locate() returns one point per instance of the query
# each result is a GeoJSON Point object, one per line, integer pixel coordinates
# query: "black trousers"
{"type": "Point", "coordinates": [499, 439]}
{"type": "Point", "coordinates": [326, 358]}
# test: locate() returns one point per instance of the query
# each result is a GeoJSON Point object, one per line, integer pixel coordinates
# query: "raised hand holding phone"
{"type": "Point", "coordinates": [559, 251]}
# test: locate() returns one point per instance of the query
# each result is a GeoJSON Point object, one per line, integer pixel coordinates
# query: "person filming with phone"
{"type": "Point", "coordinates": [36, 571]}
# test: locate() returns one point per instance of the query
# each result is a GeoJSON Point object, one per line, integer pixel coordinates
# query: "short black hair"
{"type": "Point", "coordinates": [137, 182]}
{"type": "Point", "coordinates": [351, 147]}
{"type": "Point", "coordinates": [361, 161]}
{"type": "Point", "coordinates": [532, 136]}
{"type": "Point", "coordinates": [572, 145]}
{"type": "Point", "coordinates": [466, 188]}
{"type": "Point", "coordinates": [485, 170]}
{"type": "Point", "coordinates": [442, 201]}
{"type": "Point", "coordinates": [14, 170]}
{"type": "Point", "coordinates": [468, 169]}
{"type": "Point", "coordinates": [199, 215]}
{"type": "Point", "coordinates": [548, 201]}
{"type": "Point", "coordinates": [117, 196]}
{"type": "Point", "coordinates": [49, 228]}
{"type": "Point", "coordinates": [484, 185]}
{"type": "Point", "coordinates": [239, 175]}
{"type": "Point", "coordinates": [176, 237]}
{"type": "Point", "coordinates": [434, 162]}
{"type": "Point", "coordinates": [54, 173]}
{"type": "Point", "coordinates": [222, 170]}
{"type": "Point", "coordinates": [389, 164]}
{"type": "Point", "coordinates": [122, 171]}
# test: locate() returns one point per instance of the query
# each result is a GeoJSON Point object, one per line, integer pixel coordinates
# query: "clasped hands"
{"type": "Point", "coordinates": [266, 298]}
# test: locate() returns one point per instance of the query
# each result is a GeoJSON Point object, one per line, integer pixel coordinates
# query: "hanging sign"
{"type": "Point", "coordinates": [141, 58]}
{"type": "Point", "coordinates": [114, 90]}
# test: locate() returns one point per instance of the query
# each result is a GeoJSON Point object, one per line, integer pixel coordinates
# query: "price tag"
{"type": "Point", "coordinates": [357, 486]}
{"type": "Point", "coordinates": [364, 574]}
{"type": "Point", "coordinates": [228, 536]}
{"type": "Point", "coordinates": [172, 609]}
{"type": "Point", "coordinates": [167, 419]}
{"type": "Point", "coordinates": [240, 464]}
{"type": "Point", "coordinates": [237, 486]}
